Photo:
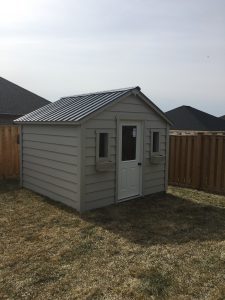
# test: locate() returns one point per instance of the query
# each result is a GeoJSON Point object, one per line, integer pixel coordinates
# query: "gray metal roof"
{"type": "Point", "coordinates": [74, 108]}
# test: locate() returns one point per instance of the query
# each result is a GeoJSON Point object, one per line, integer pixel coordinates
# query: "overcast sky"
{"type": "Point", "coordinates": [173, 49]}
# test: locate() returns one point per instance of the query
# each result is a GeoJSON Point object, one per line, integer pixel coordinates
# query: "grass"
{"type": "Point", "coordinates": [161, 247]}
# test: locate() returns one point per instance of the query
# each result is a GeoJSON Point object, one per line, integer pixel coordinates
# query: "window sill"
{"type": "Point", "coordinates": [157, 159]}
{"type": "Point", "coordinates": [104, 166]}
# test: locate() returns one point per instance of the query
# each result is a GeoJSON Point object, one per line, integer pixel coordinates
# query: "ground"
{"type": "Point", "coordinates": [161, 247]}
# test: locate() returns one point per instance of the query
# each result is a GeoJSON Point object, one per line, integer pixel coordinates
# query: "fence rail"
{"type": "Point", "coordinates": [198, 162]}
{"type": "Point", "coordinates": [9, 152]}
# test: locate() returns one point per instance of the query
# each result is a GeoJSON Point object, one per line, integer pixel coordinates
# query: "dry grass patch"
{"type": "Point", "coordinates": [162, 247]}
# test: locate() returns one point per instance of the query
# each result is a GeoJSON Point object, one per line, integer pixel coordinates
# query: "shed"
{"type": "Point", "coordinates": [95, 149]}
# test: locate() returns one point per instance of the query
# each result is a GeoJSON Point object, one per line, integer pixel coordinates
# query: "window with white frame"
{"type": "Point", "coordinates": [102, 146]}
{"type": "Point", "coordinates": [155, 142]}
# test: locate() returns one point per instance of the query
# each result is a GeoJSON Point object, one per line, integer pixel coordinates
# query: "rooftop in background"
{"type": "Point", "coordinates": [190, 118]}
{"type": "Point", "coordinates": [223, 117]}
{"type": "Point", "coordinates": [15, 100]}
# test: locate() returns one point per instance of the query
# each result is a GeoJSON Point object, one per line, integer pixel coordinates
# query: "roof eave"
{"type": "Point", "coordinates": [47, 122]}
{"type": "Point", "coordinates": [155, 107]}
{"type": "Point", "coordinates": [95, 113]}
{"type": "Point", "coordinates": [135, 91]}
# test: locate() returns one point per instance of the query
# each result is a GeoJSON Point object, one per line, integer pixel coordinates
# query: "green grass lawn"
{"type": "Point", "coordinates": [161, 247]}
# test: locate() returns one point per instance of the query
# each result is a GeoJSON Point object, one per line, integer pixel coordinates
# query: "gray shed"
{"type": "Point", "coordinates": [92, 150]}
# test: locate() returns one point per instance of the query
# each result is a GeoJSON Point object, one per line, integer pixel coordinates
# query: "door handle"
{"type": "Point", "coordinates": [139, 164]}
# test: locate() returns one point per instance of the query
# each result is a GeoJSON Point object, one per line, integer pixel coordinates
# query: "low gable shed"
{"type": "Point", "coordinates": [93, 150]}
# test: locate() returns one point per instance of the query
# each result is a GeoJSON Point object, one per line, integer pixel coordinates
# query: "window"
{"type": "Point", "coordinates": [155, 142]}
{"type": "Point", "coordinates": [103, 145]}
{"type": "Point", "coordinates": [129, 134]}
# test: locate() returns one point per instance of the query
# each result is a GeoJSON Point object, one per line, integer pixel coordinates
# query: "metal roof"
{"type": "Point", "coordinates": [74, 108]}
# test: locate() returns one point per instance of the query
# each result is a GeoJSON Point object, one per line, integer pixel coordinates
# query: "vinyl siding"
{"type": "Point", "coordinates": [100, 187]}
{"type": "Point", "coordinates": [154, 174]}
{"type": "Point", "coordinates": [51, 162]}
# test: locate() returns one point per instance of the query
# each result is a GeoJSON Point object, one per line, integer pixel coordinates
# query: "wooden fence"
{"type": "Point", "coordinates": [198, 162]}
{"type": "Point", "coordinates": [9, 152]}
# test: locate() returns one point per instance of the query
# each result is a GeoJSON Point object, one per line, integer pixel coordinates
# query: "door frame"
{"type": "Point", "coordinates": [142, 128]}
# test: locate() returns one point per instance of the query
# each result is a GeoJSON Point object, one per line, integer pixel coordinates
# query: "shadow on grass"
{"type": "Point", "coordinates": [8, 185]}
{"type": "Point", "coordinates": [155, 219]}
{"type": "Point", "coordinates": [161, 219]}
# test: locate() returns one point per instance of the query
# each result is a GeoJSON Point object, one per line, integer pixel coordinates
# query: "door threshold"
{"type": "Point", "coordinates": [129, 198]}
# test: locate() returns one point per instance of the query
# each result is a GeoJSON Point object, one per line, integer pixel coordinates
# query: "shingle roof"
{"type": "Point", "coordinates": [15, 100]}
{"type": "Point", "coordinates": [75, 108]}
{"type": "Point", "coordinates": [189, 118]}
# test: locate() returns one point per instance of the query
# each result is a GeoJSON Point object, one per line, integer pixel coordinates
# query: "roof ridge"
{"type": "Point", "coordinates": [196, 110]}
{"type": "Point", "coordinates": [102, 92]}
{"type": "Point", "coordinates": [20, 87]}
{"type": "Point", "coordinates": [191, 118]}
{"type": "Point", "coordinates": [79, 109]}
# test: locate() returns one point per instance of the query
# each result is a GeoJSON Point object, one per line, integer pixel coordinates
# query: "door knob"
{"type": "Point", "coordinates": [139, 164]}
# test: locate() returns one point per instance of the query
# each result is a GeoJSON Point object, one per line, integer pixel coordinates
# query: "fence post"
{"type": "Point", "coordinates": [197, 162]}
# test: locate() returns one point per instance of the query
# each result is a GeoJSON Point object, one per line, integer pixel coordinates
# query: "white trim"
{"type": "Point", "coordinates": [136, 93]}
{"type": "Point", "coordinates": [154, 107]}
{"type": "Point", "coordinates": [139, 123]}
{"type": "Point", "coordinates": [152, 130]}
{"type": "Point", "coordinates": [82, 167]}
{"type": "Point", "coordinates": [167, 156]}
{"type": "Point", "coordinates": [159, 141]}
{"type": "Point", "coordinates": [21, 155]}
{"type": "Point", "coordinates": [117, 158]}
{"type": "Point", "coordinates": [103, 159]}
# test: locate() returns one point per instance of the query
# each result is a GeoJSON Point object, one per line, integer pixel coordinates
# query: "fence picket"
{"type": "Point", "coordinates": [199, 162]}
{"type": "Point", "coordinates": [9, 152]}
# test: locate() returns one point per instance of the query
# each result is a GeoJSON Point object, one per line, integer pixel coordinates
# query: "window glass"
{"type": "Point", "coordinates": [155, 142]}
{"type": "Point", "coordinates": [103, 145]}
{"type": "Point", "coordinates": [129, 134]}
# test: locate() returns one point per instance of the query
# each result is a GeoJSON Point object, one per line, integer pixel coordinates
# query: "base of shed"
{"type": "Point", "coordinates": [89, 206]}
{"type": "Point", "coordinates": [50, 195]}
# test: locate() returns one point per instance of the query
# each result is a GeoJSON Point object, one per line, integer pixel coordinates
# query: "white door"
{"type": "Point", "coordinates": [130, 163]}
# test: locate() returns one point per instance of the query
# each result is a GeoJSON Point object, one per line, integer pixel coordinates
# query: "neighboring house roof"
{"type": "Point", "coordinates": [79, 107]}
{"type": "Point", "coordinates": [223, 117]}
{"type": "Point", "coordinates": [189, 118]}
{"type": "Point", "coordinates": [15, 100]}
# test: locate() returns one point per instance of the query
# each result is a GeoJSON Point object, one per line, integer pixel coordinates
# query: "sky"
{"type": "Point", "coordinates": [173, 49]}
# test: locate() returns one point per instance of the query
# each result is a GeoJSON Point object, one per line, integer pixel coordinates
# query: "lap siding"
{"type": "Point", "coordinates": [100, 187]}
{"type": "Point", "coordinates": [51, 162]}
{"type": "Point", "coordinates": [154, 175]}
